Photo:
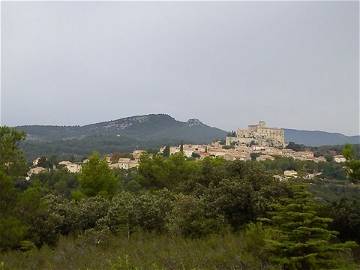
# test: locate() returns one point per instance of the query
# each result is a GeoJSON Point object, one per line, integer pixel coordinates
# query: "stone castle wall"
{"type": "Point", "coordinates": [259, 134]}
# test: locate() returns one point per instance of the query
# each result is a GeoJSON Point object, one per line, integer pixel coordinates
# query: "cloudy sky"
{"type": "Point", "coordinates": [292, 64]}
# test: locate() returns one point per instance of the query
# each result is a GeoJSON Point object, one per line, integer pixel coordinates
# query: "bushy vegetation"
{"type": "Point", "coordinates": [173, 213]}
{"type": "Point", "coordinates": [146, 252]}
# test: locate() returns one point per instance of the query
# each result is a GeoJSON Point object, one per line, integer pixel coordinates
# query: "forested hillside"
{"type": "Point", "coordinates": [122, 135]}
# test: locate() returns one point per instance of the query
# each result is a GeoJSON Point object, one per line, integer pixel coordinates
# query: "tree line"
{"type": "Point", "coordinates": [287, 223]}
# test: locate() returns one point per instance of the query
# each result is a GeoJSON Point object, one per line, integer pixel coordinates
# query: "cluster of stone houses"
{"type": "Point", "coordinates": [215, 149]}
{"type": "Point", "coordinates": [243, 152]}
{"type": "Point", "coordinates": [259, 141]}
{"type": "Point", "coordinates": [75, 167]}
{"type": "Point", "coordinates": [125, 163]}
{"type": "Point", "coordinates": [292, 174]}
{"type": "Point", "coordinates": [68, 165]}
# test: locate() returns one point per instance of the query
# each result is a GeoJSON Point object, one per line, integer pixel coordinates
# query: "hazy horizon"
{"type": "Point", "coordinates": [293, 64]}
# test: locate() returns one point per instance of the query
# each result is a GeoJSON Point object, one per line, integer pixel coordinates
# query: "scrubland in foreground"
{"type": "Point", "coordinates": [145, 251]}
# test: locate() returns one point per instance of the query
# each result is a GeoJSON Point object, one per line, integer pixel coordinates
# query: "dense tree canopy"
{"type": "Point", "coordinates": [96, 177]}
{"type": "Point", "coordinates": [303, 240]}
{"type": "Point", "coordinates": [12, 161]}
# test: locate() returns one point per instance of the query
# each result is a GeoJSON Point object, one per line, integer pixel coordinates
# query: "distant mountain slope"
{"type": "Point", "coordinates": [126, 134]}
{"type": "Point", "coordinates": [143, 127]}
{"type": "Point", "coordinates": [144, 131]}
{"type": "Point", "coordinates": [317, 138]}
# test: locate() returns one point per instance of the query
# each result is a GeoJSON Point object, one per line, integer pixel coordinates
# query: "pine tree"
{"type": "Point", "coordinates": [302, 238]}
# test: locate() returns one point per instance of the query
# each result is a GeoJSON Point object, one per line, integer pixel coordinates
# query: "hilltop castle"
{"type": "Point", "coordinates": [258, 134]}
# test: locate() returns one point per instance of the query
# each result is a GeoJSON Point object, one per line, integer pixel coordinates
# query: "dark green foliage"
{"type": "Point", "coordinates": [35, 213]}
{"type": "Point", "coordinates": [303, 239]}
{"type": "Point", "coordinates": [12, 161]}
{"type": "Point", "coordinates": [296, 147]}
{"type": "Point", "coordinates": [60, 182]}
{"type": "Point", "coordinates": [352, 163]}
{"type": "Point", "coordinates": [12, 232]}
{"type": "Point", "coordinates": [346, 218]}
{"type": "Point", "coordinates": [245, 194]}
{"type": "Point", "coordinates": [353, 167]}
{"type": "Point", "coordinates": [192, 217]}
{"type": "Point", "coordinates": [128, 213]}
{"type": "Point", "coordinates": [348, 152]}
{"type": "Point", "coordinates": [97, 178]}
{"type": "Point", "coordinates": [12, 166]}
{"type": "Point", "coordinates": [160, 172]}
{"type": "Point", "coordinates": [332, 170]}
{"type": "Point", "coordinates": [8, 194]}
{"type": "Point", "coordinates": [152, 209]}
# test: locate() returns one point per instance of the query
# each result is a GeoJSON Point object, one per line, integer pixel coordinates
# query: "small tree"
{"type": "Point", "coordinates": [303, 239]}
{"type": "Point", "coordinates": [352, 164]}
{"type": "Point", "coordinates": [96, 177]}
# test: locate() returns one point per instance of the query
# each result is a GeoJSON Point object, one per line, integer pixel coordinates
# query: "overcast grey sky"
{"type": "Point", "coordinates": [292, 64]}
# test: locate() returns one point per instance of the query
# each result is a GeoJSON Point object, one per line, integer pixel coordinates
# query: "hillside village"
{"type": "Point", "coordinates": [256, 142]}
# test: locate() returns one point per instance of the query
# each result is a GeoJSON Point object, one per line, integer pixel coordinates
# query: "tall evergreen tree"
{"type": "Point", "coordinates": [303, 240]}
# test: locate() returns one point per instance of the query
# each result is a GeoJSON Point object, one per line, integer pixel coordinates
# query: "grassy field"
{"type": "Point", "coordinates": [142, 251]}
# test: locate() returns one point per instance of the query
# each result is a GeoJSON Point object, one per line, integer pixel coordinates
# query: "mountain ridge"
{"type": "Point", "coordinates": [146, 131]}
